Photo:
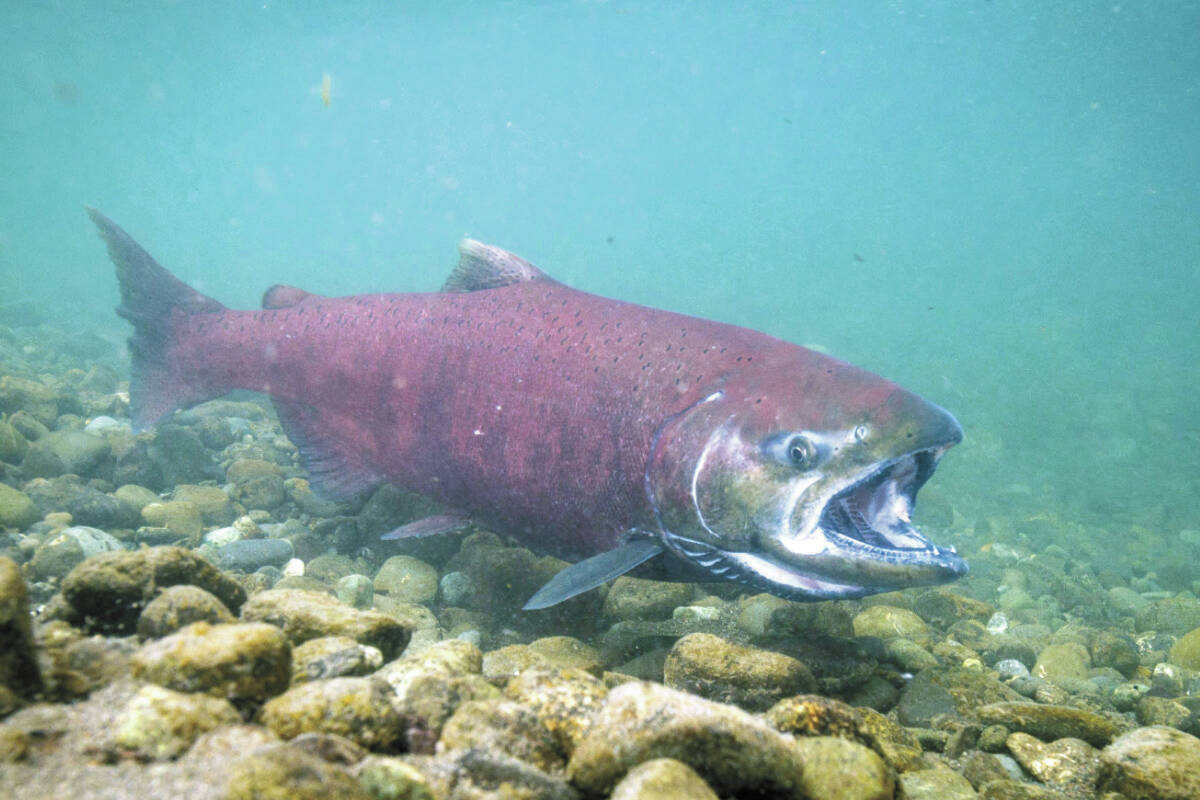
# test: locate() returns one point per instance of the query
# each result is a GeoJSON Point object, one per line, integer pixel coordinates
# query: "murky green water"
{"type": "Point", "coordinates": [994, 203]}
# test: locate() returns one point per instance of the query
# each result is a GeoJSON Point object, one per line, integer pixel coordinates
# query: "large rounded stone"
{"type": "Point", "coordinates": [160, 724]}
{"type": "Point", "coordinates": [735, 752]}
{"type": "Point", "coordinates": [284, 771]}
{"type": "Point", "coordinates": [754, 679]}
{"type": "Point", "coordinates": [889, 622]}
{"type": "Point", "coordinates": [662, 779]}
{"type": "Point", "coordinates": [307, 615]}
{"type": "Point", "coordinates": [18, 663]}
{"type": "Point", "coordinates": [408, 579]}
{"type": "Point", "coordinates": [67, 549]}
{"type": "Point", "coordinates": [1152, 764]}
{"type": "Point", "coordinates": [109, 591]}
{"type": "Point", "coordinates": [66, 451]}
{"type": "Point", "coordinates": [16, 508]}
{"type": "Point", "coordinates": [241, 662]}
{"type": "Point", "coordinates": [359, 709]}
{"type": "Point", "coordinates": [180, 606]}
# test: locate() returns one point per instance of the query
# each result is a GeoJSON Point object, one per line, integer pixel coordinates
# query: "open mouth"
{"type": "Point", "coordinates": [876, 509]}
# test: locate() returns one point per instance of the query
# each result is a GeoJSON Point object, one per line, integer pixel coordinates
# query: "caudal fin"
{"type": "Point", "coordinates": [154, 301]}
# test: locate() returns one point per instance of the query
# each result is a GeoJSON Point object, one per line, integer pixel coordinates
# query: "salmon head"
{"type": "Point", "coordinates": [801, 480]}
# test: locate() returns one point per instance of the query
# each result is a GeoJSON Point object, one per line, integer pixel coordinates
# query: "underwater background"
{"type": "Point", "coordinates": [995, 204]}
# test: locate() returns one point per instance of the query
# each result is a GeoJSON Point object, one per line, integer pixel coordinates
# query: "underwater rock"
{"type": "Point", "coordinates": [305, 615]}
{"type": "Point", "coordinates": [12, 444]}
{"type": "Point", "coordinates": [888, 622]}
{"type": "Point", "coordinates": [300, 492]}
{"type": "Point", "coordinates": [938, 783]}
{"type": "Point", "coordinates": [1152, 764]}
{"type": "Point", "coordinates": [662, 779]}
{"type": "Point", "coordinates": [181, 517]}
{"type": "Point", "coordinates": [567, 652]}
{"type": "Point", "coordinates": [215, 506]}
{"type": "Point", "coordinates": [503, 727]}
{"type": "Point", "coordinates": [1069, 764]}
{"type": "Point", "coordinates": [19, 671]}
{"type": "Point", "coordinates": [67, 451]}
{"type": "Point", "coordinates": [836, 768]}
{"type": "Point", "coordinates": [359, 709]}
{"type": "Point", "coordinates": [16, 508]}
{"type": "Point", "coordinates": [160, 724]}
{"type": "Point", "coordinates": [715, 669]}
{"type": "Point", "coordinates": [247, 555]}
{"type": "Point", "coordinates": [284, 771]}
{"type": "Point", "coordinates": [35, 399]}
{"type": "Point", "coordinates": [391, 778]}
{"type": "Point", "coordinates": [1050, 722]}
{"type": "Point", "coordinates": [244, 662]}
{"type": "Point", "coordinates": [333, 657]}
{"type": "Point", "coordinates": [1173, 615]}
{"type": "Point", "coordinates": [637, 598]}
{"type": "Point", "coordinates": [735, 752]}
{"type": "Point", "coordinates": [1067, 661]}
{"type": "Point", "coordinates": [62, 552]}
{"type": "Point", "coordinates": [357, 590]}
{"type": "Point", "coordinates": [256, 483]}
{"type": "Point", "coordinates": [478, 774]}
{"type": "Point", "coordinates": [408, 579]}
{"type": "Point", "coordinates": [176, 607]}
{"type": "Point", "coordinates": [504, 577]}
{"type": "Point", "coordinates": [503, 663]}
{"type": "Point", "coordinates": [565, 702]}
{"type": "Point", "coordinates": [814, 715]}
{"type": "Point", "coordinates": [110, 590]}
{"type": "Point", "coordinates": [134, 496]}
{"type": "Point", "coordinates": [1186, 651]}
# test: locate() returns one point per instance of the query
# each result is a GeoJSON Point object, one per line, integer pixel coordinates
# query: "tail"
{"type": "Point", "coordinates": [154, 301]}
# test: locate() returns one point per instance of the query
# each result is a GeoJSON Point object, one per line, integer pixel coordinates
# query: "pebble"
{"type": "Point", "coordinates": [176, 607]}
{"type": "Point", "coordinates": [662, 779]}
{"type": "Point", "coordinates": [355, 590]}
{"type": "Point", "coordinates": [247, 555]}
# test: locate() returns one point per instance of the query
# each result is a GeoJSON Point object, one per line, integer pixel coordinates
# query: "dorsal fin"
{"type": "Point", "coordinates": [283, 296]}
{"type": "Point", "coordinates": [482, 266]}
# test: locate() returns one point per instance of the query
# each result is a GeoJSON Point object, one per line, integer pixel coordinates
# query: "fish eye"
{"type": "Point", "coordinates": [800, 451]}
{"type": "Point", "coordinates": [861, 432]}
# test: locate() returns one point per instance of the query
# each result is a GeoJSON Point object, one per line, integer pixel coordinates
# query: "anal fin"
{"type": "Point", "coordinates": [337, 471]}
{"type": "Point", "coordinates": [591, 572]}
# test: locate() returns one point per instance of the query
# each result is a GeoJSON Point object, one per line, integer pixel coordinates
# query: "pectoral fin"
{"type": "Point", "coordinates": [591, 572]}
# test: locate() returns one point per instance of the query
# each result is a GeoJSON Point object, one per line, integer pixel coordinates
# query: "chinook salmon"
{"type": "Point", "coordinates": [584, 427]}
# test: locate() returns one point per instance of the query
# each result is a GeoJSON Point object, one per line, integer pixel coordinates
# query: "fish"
{"type": "Point", "coordinates": [615, 436]}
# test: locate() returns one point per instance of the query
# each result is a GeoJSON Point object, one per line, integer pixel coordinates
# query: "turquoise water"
{"type": "Point", "coordinates": [995, 203]}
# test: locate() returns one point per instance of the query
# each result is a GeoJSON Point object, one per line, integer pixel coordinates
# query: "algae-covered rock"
{"type": "Point", "coordinates": [391, 778]}
{"type": "Point", "coordinates": [506, 662]}
{"type": "Point", "coordinates": [567, 652]}
{"type": "Point", "coordinates": [1152, 764]}
{"type": "Point", "coordinates": [662, 779]}
{"type": "Point", "coordinates": [333, 657]}
{"type": "Point", "coordinates": [735, 752]}
{"type": "Point", "coordinates": [1065, 661]}
{"type": "Point", "coordinates": [1186, 651]}
{"type": "Point", "coordinates": [160, 724]}
{"type": "Point", "coordinates": [12, 444]}
{"type": "Point", "coordinates": [68, 548]}
{"type": "Point", "coordinates": [711, 667]}
{"type": "Point", "coordinates": [242, 662]}
{"type": "Point", "coordinates": [283, 772]}
{"type": "Point", "coordinates": [176, 608]}
{"type": "Point", "coordinates": [1174, 615]}
{"type": "Point", "coordinates": [408, 579]}
{"type": "Point", "coordinates": [18, 662]}
{"type": "Point", "coordinates": [935, 784]}
{"type": "Point", "coordinates": [838, 769]}
{"type": "Point", "coordinates": [111, 590]}
{"type": "Point", "coordinates": [565, 701]}
{"type": "Point", "coordinates": [1050, 722]}
{"type": "Point", "coordinates": [502, 726]}
{"type": "Point", "coordinates": [215, 506]}
{"type": "Point", "coordinates": [35, 399]}
{"type": "Point", "coordinates": [478, 774]}
{"type": "Point", "coordinates": [16, 508]}
{"type": "Point", "coordinates": [307, 615]}
{"type": "Point", "coordinates": [359, 709]}
{"type": "Point", "coordinates": [1067, 763]}
{"type": "Point", "coordinates": [181, 517]}
{"type": "Point", "coordinates": [636, 598]}
{"type": "Point", "coordinates": [67, 451]}
{"type": "Point", "coordinates": [888, 622]}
